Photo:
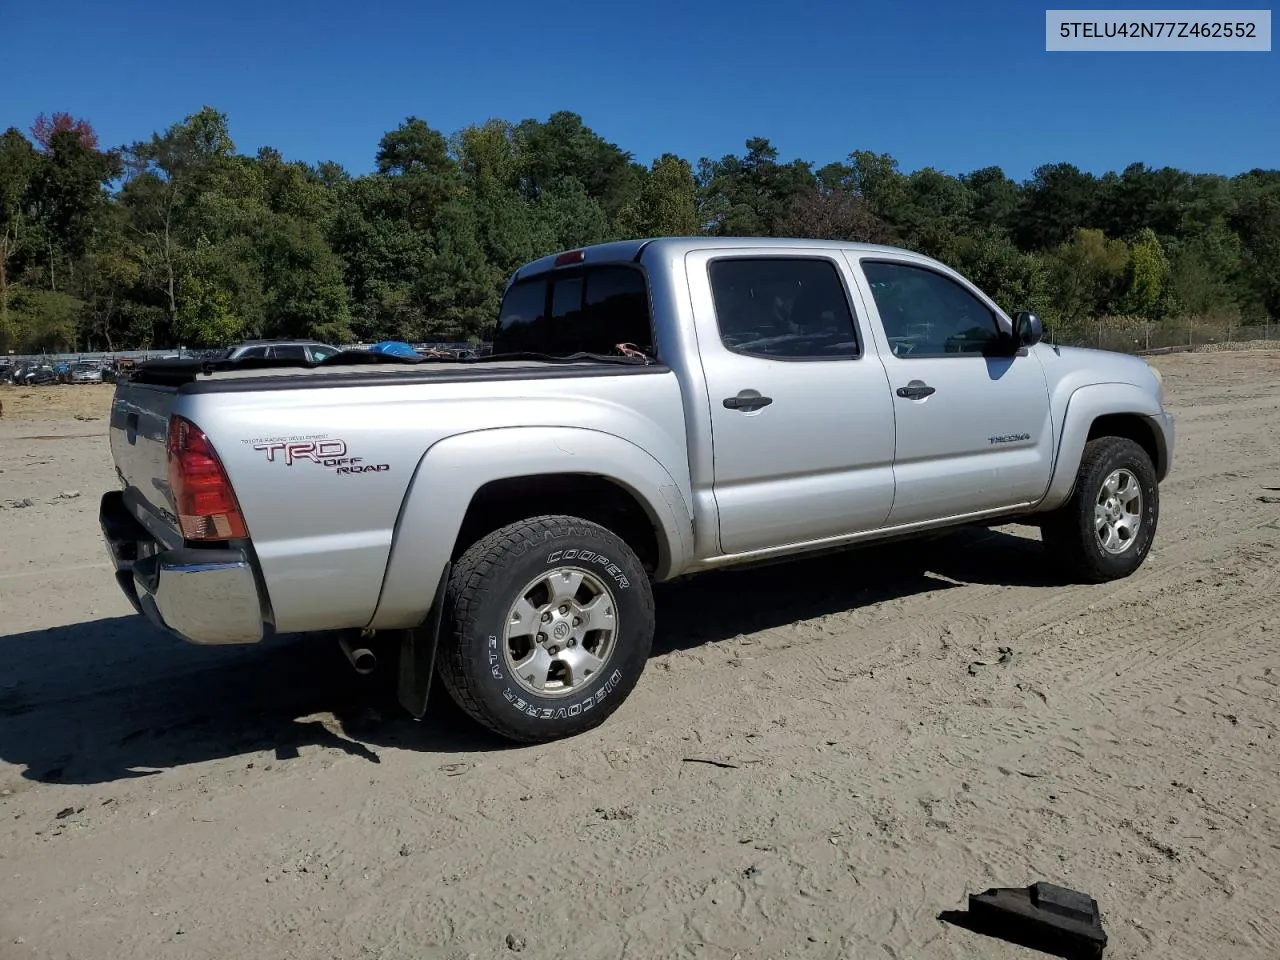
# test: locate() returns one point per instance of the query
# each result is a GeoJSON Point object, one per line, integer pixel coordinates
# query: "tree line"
{"type": "Point", "coordinates": [182, 240]}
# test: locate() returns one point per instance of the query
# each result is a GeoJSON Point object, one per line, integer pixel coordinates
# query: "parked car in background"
{"type": "Point", "coordinates": [86, 371]}
{"type": "Point", "coordinates": [311, 351]}
{"type": "Point", "coordinates": [29, 373]}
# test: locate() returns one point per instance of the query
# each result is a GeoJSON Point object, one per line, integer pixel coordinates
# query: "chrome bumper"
{"type": "Point", "coordinates": [205, 596]}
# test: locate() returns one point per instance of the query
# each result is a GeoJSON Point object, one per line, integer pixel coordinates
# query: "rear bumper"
{"type": "Point", "coordinates": [205, 596]}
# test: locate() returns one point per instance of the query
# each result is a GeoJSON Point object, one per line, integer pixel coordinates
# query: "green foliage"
{"type": "Point", "coordinates": [573, 217]}
{"type": "Point", "coordinates": [1013, 279]}
{"type": "Point", "coordinates": [1146, 275]}
{"type": "Point", "coordinates": [207, 315]}
{"type": "Point", "coordinates": [1258, 225]}
{"type": "Point", "coordinates": [665, 205]}
{"type": "Point", "coordinates": [180, 239]}
{"type": "Point", "coordinates": [1085, 277]}
{"type": "Point", "coordinates": [43, 320]}
{"type": "Point", "coordinates": [564, 148]}
{"type": "Point", "coordinates": [750, 195]}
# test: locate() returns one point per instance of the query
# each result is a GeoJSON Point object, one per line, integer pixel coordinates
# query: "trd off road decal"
{"type": "Point", "coordinates": [327, 452]}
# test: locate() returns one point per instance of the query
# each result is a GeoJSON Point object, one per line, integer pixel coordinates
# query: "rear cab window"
{"type": "Point", "coordinates": [589, 309]}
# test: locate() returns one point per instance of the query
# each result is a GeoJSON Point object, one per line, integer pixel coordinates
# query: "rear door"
{"type": "Point", "coordinates": [973, 426]}
{"type": "Point", "coordinates": [801, 412]}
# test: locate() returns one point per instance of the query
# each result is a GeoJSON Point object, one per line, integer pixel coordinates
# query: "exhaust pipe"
{"type": "Point", "coordinates": [362, 658]}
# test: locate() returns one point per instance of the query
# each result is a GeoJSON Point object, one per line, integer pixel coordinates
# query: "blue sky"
{"type": "Point", "coordinates": [952, 85]}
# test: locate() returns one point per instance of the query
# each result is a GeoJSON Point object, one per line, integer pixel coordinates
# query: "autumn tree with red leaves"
{"type": "Point", "coordinates": [43, 130]}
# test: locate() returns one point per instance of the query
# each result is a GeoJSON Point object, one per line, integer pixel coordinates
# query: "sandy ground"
{"type": "Point", "coordinates": [161, 800]}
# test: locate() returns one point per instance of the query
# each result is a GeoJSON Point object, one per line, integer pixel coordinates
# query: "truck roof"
{"type": "Point", "coordinates": [629, 251]}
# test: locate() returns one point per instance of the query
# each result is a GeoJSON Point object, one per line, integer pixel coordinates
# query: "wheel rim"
{"type": "Point", "coordinates": [560, 632]}
{"type": "Point", "coordinates": [1117, 514]}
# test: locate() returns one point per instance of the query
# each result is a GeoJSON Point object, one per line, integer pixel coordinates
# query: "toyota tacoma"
{"type": "Point", "coordinates": [651, 409]}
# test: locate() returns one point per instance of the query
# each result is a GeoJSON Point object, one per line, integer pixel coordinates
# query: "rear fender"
{"type": "Point", "coordinates": [454, 469]}
{"type": "Point", "coordinates": [1086, 405]}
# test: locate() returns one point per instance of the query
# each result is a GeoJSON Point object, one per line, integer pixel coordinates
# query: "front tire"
{"type": "Point", "coordinates": [548, 624]}
{"type": "Point", "coordinates": [1104, 532]}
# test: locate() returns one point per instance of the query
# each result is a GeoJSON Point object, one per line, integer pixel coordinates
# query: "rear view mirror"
{"type": "Point", "coordinates": [1027, 329]}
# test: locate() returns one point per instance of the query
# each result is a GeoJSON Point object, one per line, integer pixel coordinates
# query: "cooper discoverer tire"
{"type": "Point", "coordinates": [1105, 530]}
{"type": "Point", "coordinates": [548, 624]}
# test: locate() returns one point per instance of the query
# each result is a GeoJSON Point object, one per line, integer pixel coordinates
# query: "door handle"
{"type": "Point", "coordinates": [747, 400]}
{"type": "Point", "coordinates": [916, 390]}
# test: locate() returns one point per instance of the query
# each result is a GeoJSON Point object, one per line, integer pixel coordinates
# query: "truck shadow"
{"type": "Point", "coordinates": [116, 699]}
{"type": "Point", "coordinates": [711, 607]}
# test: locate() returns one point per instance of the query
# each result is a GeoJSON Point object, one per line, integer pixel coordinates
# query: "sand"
{"type": "Point", "coordinates": [876, 760]}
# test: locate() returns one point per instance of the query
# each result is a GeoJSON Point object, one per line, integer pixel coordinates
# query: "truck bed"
{"type": "Point", "coordinates": [195, 376]}
{"type": "Point", "coordinates": [322, 458]}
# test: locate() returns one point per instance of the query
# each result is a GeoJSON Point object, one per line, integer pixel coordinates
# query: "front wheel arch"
{"type": "Point", "coordinates": [1132, 426]}
{"type": "Point", "coordinates": [1094, 411]}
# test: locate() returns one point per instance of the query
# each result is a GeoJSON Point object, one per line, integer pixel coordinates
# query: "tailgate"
{"type": "Point", "coordinates": [139, 434]}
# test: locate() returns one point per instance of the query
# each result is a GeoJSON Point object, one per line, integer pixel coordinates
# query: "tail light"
{"type": "Point", "coordinates": [202, 496]}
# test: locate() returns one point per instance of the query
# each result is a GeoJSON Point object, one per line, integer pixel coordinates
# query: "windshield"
{"type": "Point", "coordinates": [583, 310]}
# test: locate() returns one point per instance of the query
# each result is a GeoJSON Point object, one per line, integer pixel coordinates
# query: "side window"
{"type": "Point", "coordinates": [926, 314]}
{"type": "Point", "coordinates": [322, 353]}
{"type": "Point", "coordinates": [255, 353]}
{"type": "Point", "coordinates": [783, 308]}
{"type": "Point", "coordinates": [289, 351]}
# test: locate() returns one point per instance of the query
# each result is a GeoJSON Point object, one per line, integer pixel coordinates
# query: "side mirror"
{"type": "Point", "coordinates": [1027, 329]}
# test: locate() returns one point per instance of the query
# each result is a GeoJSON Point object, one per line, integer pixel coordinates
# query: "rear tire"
{"type": "Point", "coordinates": [1104, 532]}
{"type": "Point", "coordinates": [548, 624]}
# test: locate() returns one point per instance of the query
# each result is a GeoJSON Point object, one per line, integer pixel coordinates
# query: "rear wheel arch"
{"type": "Point", "coordinates": [592, 497]}
{"type": "Point", "coordinates": [470, 484]}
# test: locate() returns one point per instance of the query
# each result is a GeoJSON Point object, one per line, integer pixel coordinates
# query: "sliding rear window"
{"type": "Point", "coordinates": [583, 310]}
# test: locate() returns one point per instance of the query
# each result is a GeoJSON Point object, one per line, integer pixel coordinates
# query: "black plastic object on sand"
{"type": "Point", "coordinates": [1061, 922]}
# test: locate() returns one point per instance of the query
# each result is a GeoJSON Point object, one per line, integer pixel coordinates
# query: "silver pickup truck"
{"type": "Point", "coordinates": [652, 409]}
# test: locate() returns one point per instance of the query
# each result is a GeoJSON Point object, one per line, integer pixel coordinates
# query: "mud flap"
{"type": "Point", "coordinates": [418, 653]}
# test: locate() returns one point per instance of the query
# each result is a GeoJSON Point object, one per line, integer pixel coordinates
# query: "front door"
{"type": "Point", "coordinates": [974, 432]}
{"type": "Point", "coordinates": [801, 412]}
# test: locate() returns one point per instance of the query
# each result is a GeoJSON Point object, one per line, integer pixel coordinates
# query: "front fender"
{"type": "Point", "coordinates": [452, 470]}
{"type": "Point", "coordinates": [1086, 405]}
